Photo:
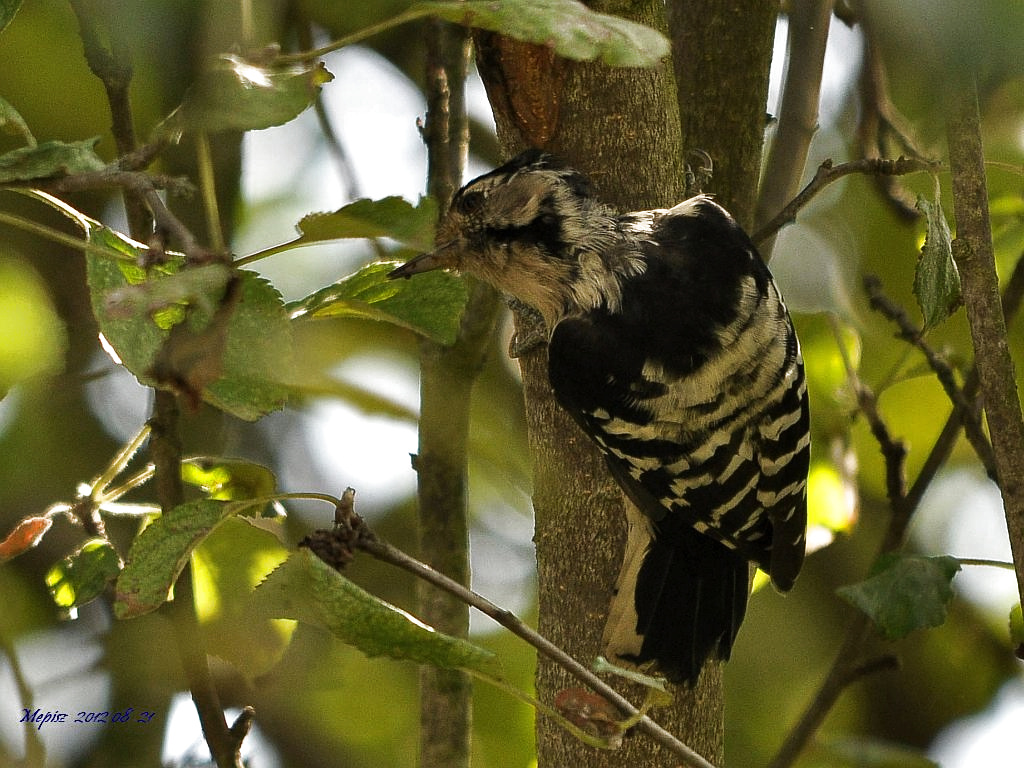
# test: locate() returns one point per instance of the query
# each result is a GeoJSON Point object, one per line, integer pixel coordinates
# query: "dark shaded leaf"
{"type": "Point", "coordinates": [48, 160]}
{"type": "Point", "coordinates": [308, 590]}
{"type": "Point", "coordinates": [258, 354]}
{"type": "Point", "coordinates": [570, 28]}
{"type": "Point", "coordinates": [241, 95]}
{"type": "Point", "coordinates": [84, 574]}
{"type": "Point", "coordinates": [431, 305]}
{"type": "Point", "coordinates": [936, 281]}
{"type": "Point", "coordinates": [905, 592]}
{"type": "Point", "coordinates": [184, 328]}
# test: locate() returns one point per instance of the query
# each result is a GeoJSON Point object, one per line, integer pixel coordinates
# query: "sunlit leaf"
{"type": "Point", "coordinates": [227, 566]}
{"type": "Point", "coordinates": [11, 121]}
{"type": "Point", "coordinates": [26, 534]}
{"type": "Point", "coordinates": [34, 338]}
{"type": "Point", "coordinates": [236, 94]}
{"type": "Point", "coordinates": [48, 160]}
{"type": "Point", "coordinates": [905, 592]}
{"type": "Point", "coordinates": [392, 217]}
{"type": "Point", "coordinates": [569, 27]}
{"type": "Point", "coordinates": [159, 293]}
{"type": "Point", "coordinates": [229, 479]}
{"type": "Point", "coordinates": [431, 305]}
{"type": "Point", "coordinates": [84, 574]}
{"type": "Point", "coordinates": [308, 590]}
{"type": "Point", "coordinates": [937, 281]}
{"type": "Point", "coordinates": [832, 497]}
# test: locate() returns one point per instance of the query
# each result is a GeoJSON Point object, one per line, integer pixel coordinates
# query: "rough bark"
{"type": "Point", "coordinates": [721, 52]}
{"type": "Point", "coordinates": [975, 258]}
{"type": "Point", "coordinates": [621, 127]}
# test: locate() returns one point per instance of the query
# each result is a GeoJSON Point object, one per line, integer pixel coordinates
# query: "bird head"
{"type": "Point", "coordinates": [518, 228]}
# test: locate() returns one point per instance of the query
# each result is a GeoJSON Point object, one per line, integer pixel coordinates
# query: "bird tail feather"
{"type": "Point", "coordinates": [680, 598]}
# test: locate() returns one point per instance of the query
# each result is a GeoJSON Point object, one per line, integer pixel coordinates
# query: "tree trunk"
{"type": "Point", "coordinates": [621, 127]}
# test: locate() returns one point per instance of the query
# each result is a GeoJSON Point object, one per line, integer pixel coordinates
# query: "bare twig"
{"type": "Point", "coordinates": [111, 66]}
{"type": "Point", "coordinates": [849, 666]}
{"type": "Point", "coordinates": [828, 173]}
{"type": "Point", "coordinates": [881, 125]}
{"type": "Point", "coordinates": [914, 335]}
{"type": "Point", "coordinates": [798, 113]}
{"type": "Point", "coordinates": [142, 186]}
{"type": "Point", "coordinates": [110, 61]}
{"type": "Point", "coordinates": [350, 533]}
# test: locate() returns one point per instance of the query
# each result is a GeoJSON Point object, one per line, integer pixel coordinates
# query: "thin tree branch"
{"type": "Point", "coordinates": [350, 532]}
{"type": "Point", "coordinates": [144, 187]}
{"type": "Point", "coordinates": [849, 665]}
{"type": "Point", "coordinates": [447, 375]}
{"type": "Point", "coordinates": [975, 258]}
{"type": "Point", "coordinates": [110, 61]}
{"type": "Point", "coordinates": [798, 113]}
{"type": "Point", "coordinates": [111, 66]}
{"type": "Point", "coordinates": [387, 553]}
{"type": "Point", "coordinates": [828, 173]}
{"type": "Point", "coordinates": [881, 125]}
{"type": "Point", "coordinates": [914, 335]}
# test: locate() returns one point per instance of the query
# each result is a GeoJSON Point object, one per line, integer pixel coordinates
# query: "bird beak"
{"type": "Point", "coordinates": [442, 257]}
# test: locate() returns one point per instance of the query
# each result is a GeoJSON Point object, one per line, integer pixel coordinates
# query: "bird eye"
{"type": "Point", "coordinates": [470, 202]}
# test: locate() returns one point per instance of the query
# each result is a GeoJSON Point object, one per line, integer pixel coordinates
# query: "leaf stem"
{"type": "Point", "coordinates": [410, 14]}
{"type": "Point", "coordinates": [56, 236]}
{"type": "Point", "coordinates": [982, 561]}
{"type": "Point", "coordinates": [208, 188]}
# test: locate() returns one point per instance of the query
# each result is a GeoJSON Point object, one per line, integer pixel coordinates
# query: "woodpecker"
{"type": "Point", "coordinates": [671, 347]}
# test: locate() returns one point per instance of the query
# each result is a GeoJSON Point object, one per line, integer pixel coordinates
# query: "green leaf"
{"type": "Point", "coordinates": [84, 574]}
{"type": "Point", "coordinates": [11, 121]}
{"type": "Point", "coordinates": [240, 95]}
{"type": "Point", "coordinates": [162, 550]}
{"type": "Point", "coordinates": [48, 160]}
{"type": "Point", "coordinates": [211, 332]}
{"type": "Point", "coordinates": [937, 281]}
{"type": "Point", "coordinates": [229, 479]}
{"type": "Point", "coordinates": [33, 333]}
{"type": "Point", "coordinates": [571, 29]}
{"type": "Point", "coordinates": [227, 567]}
{"type": "Point", "coordinates": [166, 297]}
{"type": "Point", "coordinates": [258, 353]}
{"type": "Point", "coordinates": [307, 589]}
{"type": "Point", "coordinates": [430, 305]}
{"type": "Point", "coordinates": [391, 217]}
{"type": "Point", "coordinates": [905, 592]}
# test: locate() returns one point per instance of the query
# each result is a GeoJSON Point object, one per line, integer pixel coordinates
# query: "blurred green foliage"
{"type": "Point", "coordinates": [324, 703]}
